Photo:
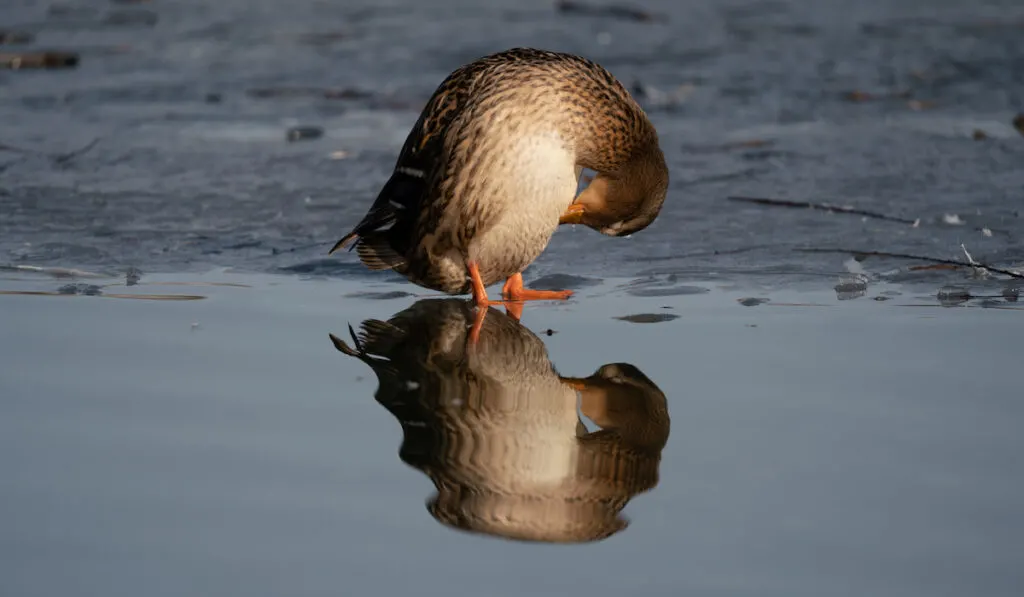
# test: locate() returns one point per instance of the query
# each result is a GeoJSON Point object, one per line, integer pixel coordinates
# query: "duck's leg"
{"type": "Point", "coordinates": [514, 291]}
{"type": "Point", "coordinates": [481, 300]}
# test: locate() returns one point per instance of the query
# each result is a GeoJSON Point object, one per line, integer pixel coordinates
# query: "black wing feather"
{"type": "Point", "coordinates": [385, 234]}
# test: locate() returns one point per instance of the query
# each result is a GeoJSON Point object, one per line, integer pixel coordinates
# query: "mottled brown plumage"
{"type": "Point", "coordinates": [498, 430]}
{"type": "Point", "coordinates": [490, 169]}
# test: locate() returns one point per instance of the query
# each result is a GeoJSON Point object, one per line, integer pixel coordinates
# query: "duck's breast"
{"type": "Point", "coordinates": [527, 190]}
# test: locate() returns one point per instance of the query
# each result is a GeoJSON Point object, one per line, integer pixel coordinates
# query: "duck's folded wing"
{"type": "Point", "coordinates": [385, 233]}
{"type": "Point", "coordinates": [396, 201]}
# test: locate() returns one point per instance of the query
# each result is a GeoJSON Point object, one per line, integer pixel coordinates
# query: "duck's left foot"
{"type": "Point", "coordinates": [526, 294]}
{"type": "Point", "coordinates": [514, 291]}
{"type": "Point", "coordinates": [482, 303]}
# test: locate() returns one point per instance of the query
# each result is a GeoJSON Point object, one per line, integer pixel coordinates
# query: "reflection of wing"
{"type": "Point", "coordinates": [498, 431]}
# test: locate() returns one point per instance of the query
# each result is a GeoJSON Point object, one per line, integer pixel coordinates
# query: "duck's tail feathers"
{"type": "Point", "coordinates": [344, 241]}
{"type": "Point", "coordinates": [376, 252]}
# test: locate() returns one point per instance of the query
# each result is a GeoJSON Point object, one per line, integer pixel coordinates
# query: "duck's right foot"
{"type": "Point", "coordinates": [514, 291]}
{"type": "Point", "coordinates": [514, 295]}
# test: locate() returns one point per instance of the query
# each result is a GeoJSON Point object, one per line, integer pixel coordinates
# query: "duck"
{"type": "Point", "coordinates": [498, 429]}
{"type": "Point", "coordinates": [491, 169]}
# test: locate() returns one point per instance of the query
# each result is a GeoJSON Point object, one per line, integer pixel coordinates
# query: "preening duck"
{"type": "Point", "coordinates": [491, 168]}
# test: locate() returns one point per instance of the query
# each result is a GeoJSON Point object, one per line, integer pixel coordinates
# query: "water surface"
{"type": "Point", "coordinates": [223, 445]}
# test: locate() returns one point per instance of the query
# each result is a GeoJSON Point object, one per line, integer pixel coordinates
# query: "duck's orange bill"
{"type": "Point", "coordinates": [575, 383]}
{"type": "Point", "coordinates": [572, 215]}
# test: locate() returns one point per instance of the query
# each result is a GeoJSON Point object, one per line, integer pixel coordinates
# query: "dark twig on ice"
{"type": "Point", "coordinates": [12, 149]}
{"type": "Point", "coordinates": [972, 263]}
{"type": "Point", "coordinates": [844, 210]}
{"type": "Point", "coordinates": [619, 12]}
{"type": "Point", "coordinates": [823, 207]}
{"type": "Point", "coordinates": [283, 92]}
{"type": "Point", "coordinates": [59, 159]}
{"type": "Point", "coordinates": [63, 158]}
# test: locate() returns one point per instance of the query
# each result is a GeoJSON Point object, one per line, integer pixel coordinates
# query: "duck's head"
{"type": "Point", "coordinates": [623, 202]}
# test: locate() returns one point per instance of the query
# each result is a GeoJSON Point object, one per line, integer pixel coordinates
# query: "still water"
{"type": "Point", "coordinates": [224, 445]}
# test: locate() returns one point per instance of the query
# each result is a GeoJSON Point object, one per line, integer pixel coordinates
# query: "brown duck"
{"type": "Point", "coordinates": [491, 169]}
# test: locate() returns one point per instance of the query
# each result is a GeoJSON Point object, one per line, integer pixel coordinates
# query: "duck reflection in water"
{"type": "Point", "coordinates": [499, 432]}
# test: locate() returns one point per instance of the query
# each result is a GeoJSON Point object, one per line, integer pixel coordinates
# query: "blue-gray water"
{"type": "Point", "coordinates": [838, 426]}
{"type": "Point", "coordinates": [223, 446]}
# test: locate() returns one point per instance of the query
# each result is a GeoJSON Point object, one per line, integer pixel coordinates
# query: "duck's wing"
{"type": "Point", "coordinates": [385, 234]}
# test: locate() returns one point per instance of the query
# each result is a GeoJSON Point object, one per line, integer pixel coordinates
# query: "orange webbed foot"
{"type": "Point", "coordinates": [514, 295]}
{"type": "Point", "coordinates": [483, 304]}
{"type": "Point", "coordinates": [526, 294]}
{"type": "Point", "coordinates": [514, 291]}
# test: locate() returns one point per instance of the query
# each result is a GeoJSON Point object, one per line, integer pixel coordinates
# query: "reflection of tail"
{"type": "Point", "coordinates": [498, 431]}
{"type": "Point", "coordinates": [359, 352]}
{"type": "Point", "coordinates": [380, 336]}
